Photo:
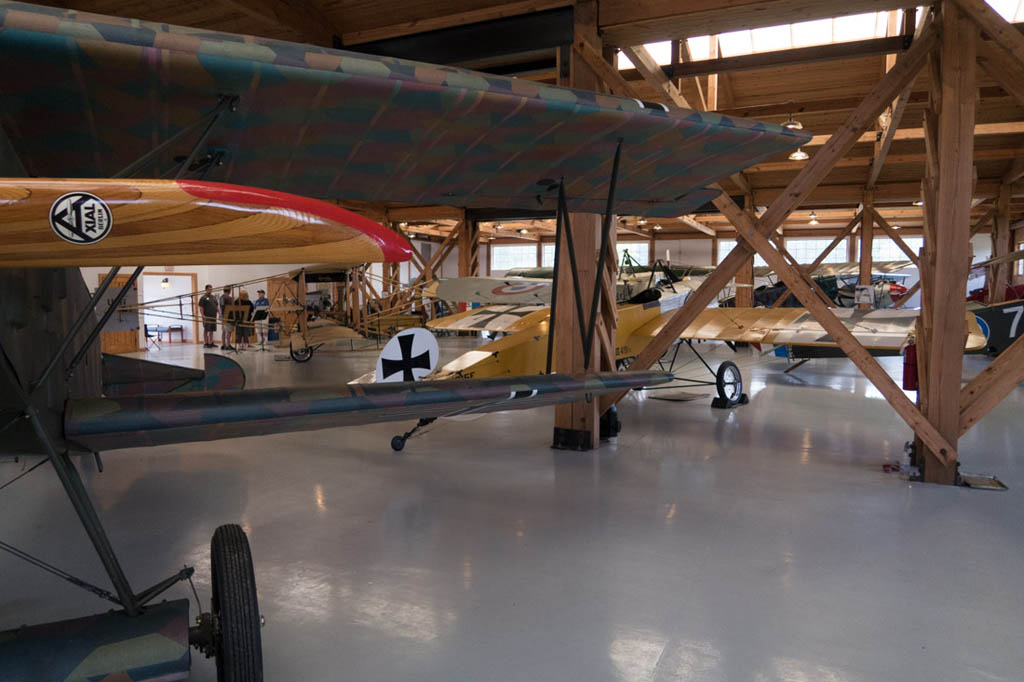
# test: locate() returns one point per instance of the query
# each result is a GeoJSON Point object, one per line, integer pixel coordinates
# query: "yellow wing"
{"type": "Point", "coordinates": [493, 318]}
{"type": "Point", "coordinates": [875, 329]}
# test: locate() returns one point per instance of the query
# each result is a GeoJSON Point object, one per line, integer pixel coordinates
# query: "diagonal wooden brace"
{"type": "Point", "coordinates": [991, 385]}
{"type": "Point", "coordinates": [860, 356]}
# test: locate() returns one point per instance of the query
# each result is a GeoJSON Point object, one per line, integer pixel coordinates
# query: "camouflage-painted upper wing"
{"type": "Point", "coordinates": [86, 95]}
{"type": "Point", "coordinates": [103, 423]}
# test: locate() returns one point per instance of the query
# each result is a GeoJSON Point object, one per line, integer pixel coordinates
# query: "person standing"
{"type": "Point", "coordinates": [226, 324]}
{"type": "Point", "coordinates": [262, 303]}
{"type": "Point", "coordinates": [208, 308]}
{"type": "Point", "coordinates": [243, 319]}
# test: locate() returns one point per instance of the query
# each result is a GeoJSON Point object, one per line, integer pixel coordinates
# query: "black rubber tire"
{"type": "Point", "coordinates": [239, 648]}
{"type": "Point", "coordinates": [302, 354]}
{"type": "Point", "coordinates": [727, 377]}
{"type": "Point", "coordinates": [397, 443]}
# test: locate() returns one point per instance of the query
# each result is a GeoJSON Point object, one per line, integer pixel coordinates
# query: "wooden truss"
{"type": "Point", "coordinates": [948, 42]}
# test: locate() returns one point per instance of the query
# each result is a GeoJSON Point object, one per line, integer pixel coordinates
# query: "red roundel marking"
{"type": "Point", "coordinates": [510, 289]}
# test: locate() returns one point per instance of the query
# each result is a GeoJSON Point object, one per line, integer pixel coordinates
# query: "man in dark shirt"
{"type": "Point", "coordinates": [227, 326]}
{"type": "Point", "coordinates": [208, 308]}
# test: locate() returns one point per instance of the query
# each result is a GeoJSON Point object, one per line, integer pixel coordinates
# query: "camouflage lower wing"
{"type": "Point", "coordinates": [107, 646]}
{"type": "Point", "coordinates": [133, 421]}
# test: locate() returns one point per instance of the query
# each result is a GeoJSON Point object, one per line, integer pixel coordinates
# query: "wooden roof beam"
{"type": "Point", "coordinates": [690, 221]}
{"type": "Point", "coordinates": [655, 77]}
{"type": "Point", "coordinates": [299, 15]}
{"type": "Point", "coordinates": [499, 11]}
{"type": "Point", "coordinates": [1014, 128]}
{"type": "Point", "coordinates": [605, 71]}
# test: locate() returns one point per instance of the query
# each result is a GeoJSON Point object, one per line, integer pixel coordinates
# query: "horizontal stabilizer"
{"type": "Point", "coordinates": [124, 376]}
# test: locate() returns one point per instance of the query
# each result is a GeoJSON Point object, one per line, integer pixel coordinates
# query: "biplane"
{"type": "Point", "coordinates": [279, 121]}
{"type": "Point", "coordinates": [522, 350]}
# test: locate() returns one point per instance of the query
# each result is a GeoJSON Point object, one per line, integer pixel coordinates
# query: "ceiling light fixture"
{"type": "Point", "coordinates": [814, 218]}
{"type": "Point", "coordinates": [403, 225]}
{"type": "Point", "coordinates": [918, 203]}
{"type": "Point", "coordinates": [641, 221]}
{"type": "Point", "coordinates": [799, 155]}
{"type": "Point", "coordinates": [657, 227]}
{"type": "Point", "coordinates": [498, 226]}
{"type": "Point", "coordinates": [523, 230]}
{"type": "Point", "coordinates": [793, 124]}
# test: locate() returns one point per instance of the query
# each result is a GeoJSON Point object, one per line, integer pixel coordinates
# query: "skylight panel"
{"type": "Point", "coordinates": [735, 43]}
{"type": "Point", "coordinates": [854, 27]}
{"type": "Point", "coordinates": [661, 52]}
{"type": "Point", "coordinates": [700, 48]}
{"type": "Point", "coordinates": [1007, 9]}
{"type": "Point", "coordinates": [771, 38]}
{"type": "Point", "coordinates": [807, 33]}
{"type": "Point", "coordinates": [882, 24]}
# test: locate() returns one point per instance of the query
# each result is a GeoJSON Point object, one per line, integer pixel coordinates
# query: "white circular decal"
{"type": "Point", "coordinates": [81, 218]}
{"type": "Point", "coordinates": [410, 355]}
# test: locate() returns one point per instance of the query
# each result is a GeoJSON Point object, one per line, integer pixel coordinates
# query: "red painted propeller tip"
{"type": "Point", "coordinates": [393, 246]}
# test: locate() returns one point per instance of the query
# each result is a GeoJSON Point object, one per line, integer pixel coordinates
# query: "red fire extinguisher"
{"type": "Point", "coordinates": [910, 368]}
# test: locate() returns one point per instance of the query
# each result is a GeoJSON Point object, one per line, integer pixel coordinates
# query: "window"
{"type": "Point", "coordinates": [661, 52]}
{"type": "Point", "coordinates": [638, 252]}
{"type": "Point", "coordinates": [1011, 10]}
{"type": "Point", "coordinates": [508, 256]}
{"type": "Point", "coordinates": [727, 245]}
{"type": "Point", "coordinates": [806, 250]}
{"type": "Point", "coordinates": [883, 248]}
{"type": "Point", "coordinates": [547, 256]}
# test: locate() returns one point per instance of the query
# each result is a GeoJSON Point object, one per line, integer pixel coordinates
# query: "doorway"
{"type": "Point", "coordinates": [170, 301]}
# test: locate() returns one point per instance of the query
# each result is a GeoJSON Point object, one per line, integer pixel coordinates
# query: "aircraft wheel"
{"type": "Point", "coordinates": [397, 443]}
{"type": "Point", "coordinates": [238, 648]}
{"type": "Point", "coordinates": [729, 383]}
{"type": "Point", "coordinates": [301, 354]}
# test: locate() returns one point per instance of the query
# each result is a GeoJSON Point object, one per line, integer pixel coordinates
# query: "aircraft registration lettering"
{"type": "Point", "coordinates": [1017, 309]}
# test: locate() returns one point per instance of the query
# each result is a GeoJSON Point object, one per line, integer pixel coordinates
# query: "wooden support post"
{"type": "Point", "coordinates": [577, 424]}
{"type": "Point", "coordinates": [867, 231]}
{"type": "Point", "coordinates": [951, 229]}
{"type": "Point", "coordinates": [745, 276]}
{"type": "Point", "coordinates": [1001, 246]}
{"type": "Point", "coordinates": [469, 249]}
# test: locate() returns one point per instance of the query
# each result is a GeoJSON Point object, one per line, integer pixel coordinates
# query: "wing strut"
{"type": "Point", "coordinates": [562, 224]}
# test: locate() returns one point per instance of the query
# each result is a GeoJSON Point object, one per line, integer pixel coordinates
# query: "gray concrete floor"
{"type": "Point", "coordinates": [763, 543]}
